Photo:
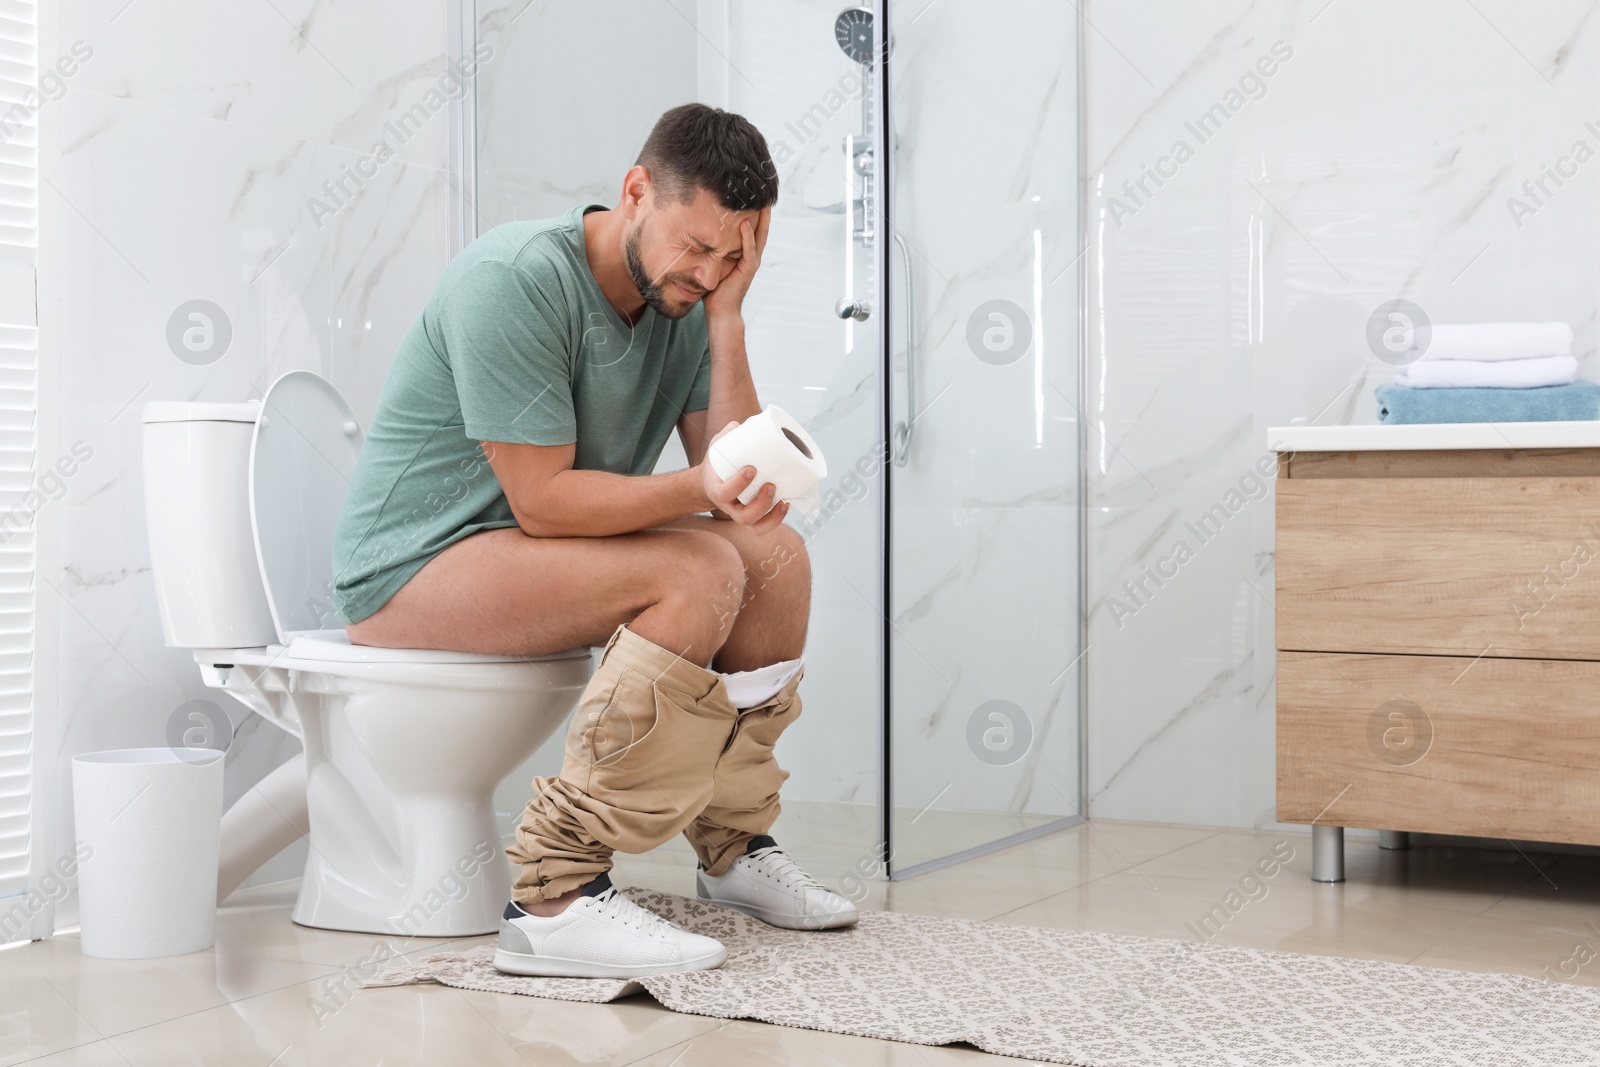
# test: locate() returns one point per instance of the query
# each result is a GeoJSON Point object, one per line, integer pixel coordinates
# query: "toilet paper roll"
{"type": "Point", "coordinates": [782, 453]}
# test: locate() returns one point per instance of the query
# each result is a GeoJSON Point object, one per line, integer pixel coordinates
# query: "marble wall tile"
{"type": "Point", "coordinates": [555, 128]}
{"type": "Point", "coordinates": [312, 70]}
{"type": "Point", "coordinates": [1377, 160]}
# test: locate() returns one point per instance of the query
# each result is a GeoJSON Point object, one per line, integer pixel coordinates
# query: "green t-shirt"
{"type": "Point", "coordinates": [519, 345]}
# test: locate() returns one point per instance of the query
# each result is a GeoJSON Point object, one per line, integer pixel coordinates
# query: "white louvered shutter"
{"type": "Point", "coordinates": [19, 232]}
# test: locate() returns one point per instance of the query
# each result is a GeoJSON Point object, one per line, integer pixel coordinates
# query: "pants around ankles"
{"type": "Point", "coordinates": [654, 749]}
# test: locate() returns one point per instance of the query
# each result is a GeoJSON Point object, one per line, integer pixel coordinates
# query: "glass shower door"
{"type": "Point", "coordinates": [983, 634]}
{"type": "Point", "coordinates": [942, 670]}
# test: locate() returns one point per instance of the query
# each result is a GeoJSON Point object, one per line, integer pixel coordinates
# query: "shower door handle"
{"type": "Point", "coordinates": [901, 438]}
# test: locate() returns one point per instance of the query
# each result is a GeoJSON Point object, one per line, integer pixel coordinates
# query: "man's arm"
{"type": "Point", "coordinates": [692, 434]}
{"type": "Point", "coordinates": [550, 499]}
{"type": "Point", "coordinates": [733, 392]}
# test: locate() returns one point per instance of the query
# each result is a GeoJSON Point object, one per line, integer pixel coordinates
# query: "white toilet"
{"type": "Point", "coordinates": [403, 747]}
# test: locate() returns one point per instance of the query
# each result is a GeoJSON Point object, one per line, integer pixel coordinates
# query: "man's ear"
{"type": "Point", "coordinates": [636, 191]}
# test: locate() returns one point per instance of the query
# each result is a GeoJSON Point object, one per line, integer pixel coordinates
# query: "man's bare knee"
{"type": "Point", "coordinates": [781, 562]}
{"type": "Point", "coordinates": [693, 582]}
{"type": "Point", "coordinates": [707, 571]}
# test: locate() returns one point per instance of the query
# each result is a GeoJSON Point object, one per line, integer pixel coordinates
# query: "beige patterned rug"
{"type": "Point", "coordinates": [1091, 999]}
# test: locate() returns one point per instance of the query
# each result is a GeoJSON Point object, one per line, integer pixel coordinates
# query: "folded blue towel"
{"type": "Point", "coordinates": [1550, 403]}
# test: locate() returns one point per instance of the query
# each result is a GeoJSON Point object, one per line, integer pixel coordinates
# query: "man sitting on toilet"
{"type": "Point", "coordinates": [504, 503]}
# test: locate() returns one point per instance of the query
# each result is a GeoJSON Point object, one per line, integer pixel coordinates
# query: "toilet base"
{"type": "Point", "coordinates": [456, 884]}
{"type": "Point", "coordinates": [401, 763]}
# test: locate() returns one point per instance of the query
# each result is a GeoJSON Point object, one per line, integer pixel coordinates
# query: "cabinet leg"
{"type": "Point", "coordinates": [1394, 840]}
{"type": "Point", "coordinates": [1327, 853]}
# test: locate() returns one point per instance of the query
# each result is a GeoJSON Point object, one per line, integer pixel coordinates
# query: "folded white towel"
{"type": "Point", "coordinates": [1503, 374]}
{"type": "Point", "coordinates": [1498, 341]}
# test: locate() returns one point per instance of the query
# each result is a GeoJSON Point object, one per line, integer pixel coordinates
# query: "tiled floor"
{"type": "Point", "coordinates": [272, 993]}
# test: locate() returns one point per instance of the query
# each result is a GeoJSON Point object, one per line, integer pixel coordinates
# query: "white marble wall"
{"type": "Point", "coordinates": [555, 128]}
{"type": "Point", "coordinates": [1375, 162]}
{"type": "Point", "coordinates": [178, 166]}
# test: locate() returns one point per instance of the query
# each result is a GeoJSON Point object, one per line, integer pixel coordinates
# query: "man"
{"type": "Point", "coordinates": [504, 504]}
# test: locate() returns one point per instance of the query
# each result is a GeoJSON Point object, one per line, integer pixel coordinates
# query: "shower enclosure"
{"type": "Point", "coordinates": [918, 310]}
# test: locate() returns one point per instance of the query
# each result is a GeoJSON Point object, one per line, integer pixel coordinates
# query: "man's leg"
{"type": "Point", "coordinates": [741, 865]}
{"type": "Point", "coordinates": [775, 608]}
{"type": "Point", "coordinates": [505, 593]}
{"type": "Point", "coordinates": [770, 628]}
{"type": "Point", "coordinates": [643, 743]}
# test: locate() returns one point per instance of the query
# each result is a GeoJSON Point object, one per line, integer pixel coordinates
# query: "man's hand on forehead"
{"type": "Point", "coordinates": [740, 269]}
{"type": "Point", "coordinates": [732, 222]}
{"type": "Point", "coordinates": [728, 241]}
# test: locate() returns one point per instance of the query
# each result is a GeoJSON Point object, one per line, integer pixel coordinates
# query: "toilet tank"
{"type": "Point", "coordinates": [197, 512]}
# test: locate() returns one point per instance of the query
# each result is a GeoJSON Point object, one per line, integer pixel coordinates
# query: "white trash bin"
{"type": "Point", "coordinates": [148, 820]}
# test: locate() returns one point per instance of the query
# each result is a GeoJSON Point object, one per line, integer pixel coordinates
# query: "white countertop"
{"type": "Point", "coordinates": [1437, 436]}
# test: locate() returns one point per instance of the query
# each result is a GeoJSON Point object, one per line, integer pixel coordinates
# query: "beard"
{"type": "Point", "coordinates": [652, 291]}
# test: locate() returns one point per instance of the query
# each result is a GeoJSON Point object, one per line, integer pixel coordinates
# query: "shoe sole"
{"type": "Point", "coordinates": [558, 967]}
{"type": "Point", "coordinates": [788, 922]}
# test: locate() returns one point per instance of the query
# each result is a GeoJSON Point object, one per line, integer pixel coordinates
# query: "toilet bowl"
{"type": "Point", "coordinates": [403, 748]}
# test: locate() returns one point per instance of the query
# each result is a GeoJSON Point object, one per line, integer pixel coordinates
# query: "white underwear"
{"type": "Point", "coordinates": [746, 689]}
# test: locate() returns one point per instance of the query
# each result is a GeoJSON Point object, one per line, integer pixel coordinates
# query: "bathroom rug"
{"type": "Point", "coordinates": [1084, 998]}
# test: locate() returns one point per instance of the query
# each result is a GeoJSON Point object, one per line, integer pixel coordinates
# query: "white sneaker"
{"type": "Point", "coordinates": [602, 934]}
{"type": "Point", "coordinates": [767, 884]}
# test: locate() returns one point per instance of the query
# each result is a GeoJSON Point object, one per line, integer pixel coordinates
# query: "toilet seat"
{"type": "Point", "coordinates": [333, 646]}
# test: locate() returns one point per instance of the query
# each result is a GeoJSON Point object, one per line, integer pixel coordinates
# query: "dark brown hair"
{"type": "Point", "coordinates": [694, 147]}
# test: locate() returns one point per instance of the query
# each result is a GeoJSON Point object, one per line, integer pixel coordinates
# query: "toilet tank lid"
{"type": "Point", "coordinates": [201, 411]}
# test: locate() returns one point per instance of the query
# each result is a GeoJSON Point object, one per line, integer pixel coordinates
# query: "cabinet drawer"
{"type": "Point", "coordinates": [1488, 748]}
{"type": "Point", "coordinates": [1440, 565]}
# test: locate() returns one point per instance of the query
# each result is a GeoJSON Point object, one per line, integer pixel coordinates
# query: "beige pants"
{"type": "Point", "coordinates": [654, 749]}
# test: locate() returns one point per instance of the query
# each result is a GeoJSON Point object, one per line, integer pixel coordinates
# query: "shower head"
{"type": "Point", "coordinates": [853, 30]}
